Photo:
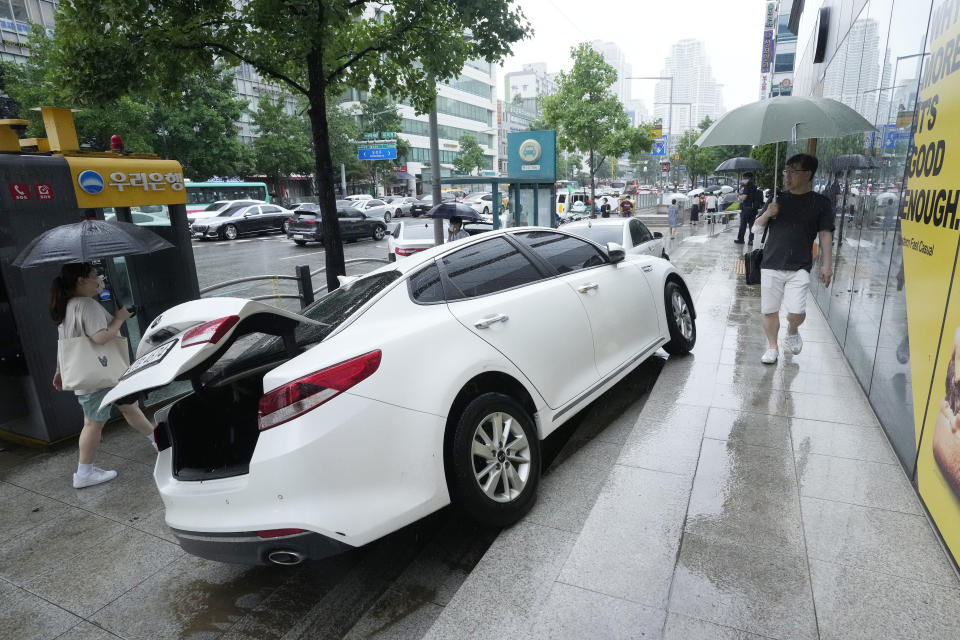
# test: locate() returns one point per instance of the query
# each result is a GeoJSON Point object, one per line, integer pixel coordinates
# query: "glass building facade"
{"type": "Point", "coordinates": [875, 59]}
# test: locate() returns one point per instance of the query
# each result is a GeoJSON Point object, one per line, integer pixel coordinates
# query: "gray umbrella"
{"type": "Point", "coordinates": [89, 240]}
{"type": "Point", "coordinates": [739, 164]}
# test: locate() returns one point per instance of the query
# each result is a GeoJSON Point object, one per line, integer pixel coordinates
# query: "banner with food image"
{"type": "Point", "coordinates": [930, 222]}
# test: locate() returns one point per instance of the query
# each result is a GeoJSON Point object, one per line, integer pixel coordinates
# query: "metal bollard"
{"type": "Point", "coordinates": [304, 285]}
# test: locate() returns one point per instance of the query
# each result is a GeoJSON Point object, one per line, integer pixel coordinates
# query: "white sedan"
{"type": "Point", "coordinates": [630, 233]}
{"type": "Point", "coordinates": [482, 203]}
{"type": "Point", "coordinates": [309, 434]}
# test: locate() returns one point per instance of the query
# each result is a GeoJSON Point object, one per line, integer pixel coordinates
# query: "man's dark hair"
{"type": "Point", "coordinates": [805, 161]}
{"type": "Point", "coordinates": [748, 175]}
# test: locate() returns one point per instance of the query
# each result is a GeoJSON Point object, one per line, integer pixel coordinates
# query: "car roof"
{"type": "Point", "coordinates": [600, 222]}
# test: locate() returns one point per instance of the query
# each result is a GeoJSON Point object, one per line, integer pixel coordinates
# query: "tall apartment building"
{"type": "Point", "coordinates": [512, 116]}
{"type": "Point", "coordinates": [465, 105]}
{"type": "Point", "coordinates": [16, 20]}
{"type": "Point", "coordinates": [858, 66]}
{"type": "Point", "coordinates": [529, 84]}
{"type": "Point", "coordinates": [615, 57]}
{"type": "Point", "coordinates": [696, 94]}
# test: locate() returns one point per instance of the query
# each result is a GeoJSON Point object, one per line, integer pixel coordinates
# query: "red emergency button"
{"type": "Point", "coordinates": [43, 191]}
{"type": "Point", "coordinates": [19, 191]}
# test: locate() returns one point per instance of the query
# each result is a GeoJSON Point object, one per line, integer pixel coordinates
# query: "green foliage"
{"type": "Point", "coordinates": [470, 156]}
{"type": "Point", "coordinates": [587, 115]}
{"type": "Point", "coordinates": [314, 48]}
{"type": "Point", "coordinates": [765, 154]}
{"type": "Point", "coordinates": [284, 145]}
{"type": "Point", "coordinates": [379, 114]}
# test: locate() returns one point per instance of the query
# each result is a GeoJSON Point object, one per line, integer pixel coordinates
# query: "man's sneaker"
{"type": "Point", "coordinates": [794, 342]}
{"type": "Point", "coordinates": [96, 475]}
{"type": "Point", "coordinates": [769, 356]}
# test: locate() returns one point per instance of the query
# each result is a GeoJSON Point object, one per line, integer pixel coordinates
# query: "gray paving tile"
{"type": "Point", "coordinates": [199, 599]}
{"type": "Point", "coordinates": [850, 410]}
{"type": "Point", "coordinates": [680, 627]}
{"type": "Point", "coordinates": [754, 399]}
{"type": "Point", "coordinates": [567, 492]}
{"type": "Point", "coordinates": [24, 615]}
{"type": "Point", "coordinates": [889, 542]}
{"type": "Point", "coordinates": [22, 509]}
{"type": "Point", "coordinates": [742, 427]}
{"type": "Point", "coordinates": [671, 446]}
{"type": "Point", "coordinates": [758, 590]}
{"type": "Point", "coordinates": [575, 613]}
{"type": "Point", "coordinates": [155, 524]}
{"type": "Point", "coordinates": [54, 543]}
{"type": "Point", "coordinates": [628, 545]}
{"type": "Point", "coordinates": [86, 583]}
{"type": "Point", "coordinates": [661, 409]}
{"type": "Point", "coordinates": [399, 614]}
{"type": "Point", "coordinates": [87, 631]}
{"type": "Point", "coordinates": [869, 484]}
{"type": "Point", "coordinates": [842, 440]}
{"type": "Point", "coordinates": [12, 454]}
{"type": "Point", "coordinates": [519, 568]}
{"type": "Point", "coordinates": [746, 494]}
{"type": "Point", "coordinates": [122, 441]}
{"type": "Point", "coordinates": [853, 604]}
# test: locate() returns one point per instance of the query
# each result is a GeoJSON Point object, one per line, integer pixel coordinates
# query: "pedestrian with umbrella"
{"type": "Point", "coordinates": [91, 354]}
{"type": "Point", "coordinates": [750, 199]}
{"type": "Point", "coordinates": [457, 213]}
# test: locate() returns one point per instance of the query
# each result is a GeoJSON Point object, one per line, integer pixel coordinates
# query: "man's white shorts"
{"type": "Point", "coordinates": [786, 288]}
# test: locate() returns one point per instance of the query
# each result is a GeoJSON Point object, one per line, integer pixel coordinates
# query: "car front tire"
{"type": "Point", "coordinates": [495, 460]}
{"type": "Point", "coordinates": [386, 216]}
{"type": "Point", "coordinates": [486, 211]}
{"type": "Point", "coordinates": [379, 233]}
{"type": "Point", "coordinates": [229, 232]}
{"type": "Point", "coordinates": [680, 320]}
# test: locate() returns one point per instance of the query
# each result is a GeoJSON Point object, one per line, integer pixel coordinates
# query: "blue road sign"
{"type": "Point", "coordinates": [889, 136]}
{"type": "Point", "coordinates": [382, 153]}
{"type": "Point", "coordinates": [660, 147]}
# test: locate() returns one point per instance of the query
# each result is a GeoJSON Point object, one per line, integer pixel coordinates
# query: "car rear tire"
{"type": "Point", "coordinates": [386, 216]}
{"type": "Point", "coordinates": [486, 211]}
{"type": "Point", "coordinates": [229, 232]}
{"type": "Point", "coordinates": [379, 232]}
{"type": "Point", "coordinates": [286, 226]}
{"type": "Point", "coordinates": [300, 243]}
{"type": "Point", "coordinates": [680, 320]}
{"type": "Point", "coordinates": [398, 213]}
{"type": "Point", "coordinates": [495, 460]}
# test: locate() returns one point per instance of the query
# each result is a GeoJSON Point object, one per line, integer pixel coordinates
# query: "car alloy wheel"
{"type": "Point", "coordinates": [230, 232]}
{"type": "Point", "coordinates": [286, 226]}
{"type": "Point", "coordinates": [379, 233]}
{"type": "Point", "coordinates": [386, 216]}
{"type": "Point", "coordinates": [683, 328]}
{"type": "Point", "coordinates": [486, 211]}
{"type": "Point", "coordinates": [494, 460]}
{"type": "Point", "coordinates": [397, 213]}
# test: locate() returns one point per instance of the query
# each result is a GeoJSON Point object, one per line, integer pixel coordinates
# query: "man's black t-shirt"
{"type": "Point", "coordinates": [791, 234]}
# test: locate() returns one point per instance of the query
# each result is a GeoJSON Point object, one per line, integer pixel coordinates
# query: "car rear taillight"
{"type": "Point", "coordinates": [407, 251]}
{"type": "Point", "coordinates": [309, 392]}
{"type": "Point", "coordinates": [211, 331]}
{"type": "Point", "coordinates": [279, 533]}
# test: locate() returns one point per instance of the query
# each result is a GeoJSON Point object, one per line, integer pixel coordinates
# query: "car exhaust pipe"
{"type": "Point", "coordinates": [285, 557]}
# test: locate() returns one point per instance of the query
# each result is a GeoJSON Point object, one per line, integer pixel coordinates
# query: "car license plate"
{"type": "Point", "coordinates": [151, 358]}
{"type": "Point", "coordinates": [298, 236]}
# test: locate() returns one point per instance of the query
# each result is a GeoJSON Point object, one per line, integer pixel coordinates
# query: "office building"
{"type": "Point", "coordinates": [511, 118]}
{"type": "Point", "coordinates": [17, 20]}
{"type": "Point", "coordinates": [776, 63]}
{"type": "Point", "coordinates": [527, 86]}
{"type": "Point", "coordinates": [615, 57]}
{"type": "Point", "coordinates": [695, 95]}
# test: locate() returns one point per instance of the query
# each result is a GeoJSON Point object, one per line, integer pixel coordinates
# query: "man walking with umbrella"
{"type": "Point", "coordinates": [748, 207]}
{"type": "Point", "coordinates": [792, 223]}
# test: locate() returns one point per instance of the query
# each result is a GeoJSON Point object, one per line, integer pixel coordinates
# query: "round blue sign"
{"type": "Point", "coordinates": [90, 181]}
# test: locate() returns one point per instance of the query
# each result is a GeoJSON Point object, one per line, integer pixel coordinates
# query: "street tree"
{"type": "Point", "coordinates": [379, 115]}
{"type": "Point", "coordinates": [283, 144]}
{"type": "Point", "coordinates": [765, 155]}
{"type": "Point", "coordinates": [588, 116]}
{"type": "Point", "coordinates": [470, 156]}
{"type": "Point", "coordinates": [315, 48]}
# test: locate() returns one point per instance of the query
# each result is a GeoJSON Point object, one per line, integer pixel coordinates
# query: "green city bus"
{"type": "Point", "coordinates": [202, 194]}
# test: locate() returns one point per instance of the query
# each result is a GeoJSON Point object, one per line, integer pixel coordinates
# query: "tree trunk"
{"type": "Point", "coordinates": [333, 258]}
{"type": "Point", "coordinates": [593, 196]}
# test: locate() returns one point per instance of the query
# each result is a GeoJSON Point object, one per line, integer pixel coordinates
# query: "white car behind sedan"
{"type": "Point", "coordinates": [630, 233]}
{"type": "Point", "coordinates": [309, 434]}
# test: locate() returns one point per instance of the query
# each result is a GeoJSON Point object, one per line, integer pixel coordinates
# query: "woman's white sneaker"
{"type": "Point", "coordinates": [769, 356]}
{"type": "Point", "coordinates": [95, 475]}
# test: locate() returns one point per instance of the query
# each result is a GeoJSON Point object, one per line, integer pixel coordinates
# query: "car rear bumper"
{"type": "Point", "coordinates": [303, 235]}
{"type": "Point", "coordinates": [247, 547]}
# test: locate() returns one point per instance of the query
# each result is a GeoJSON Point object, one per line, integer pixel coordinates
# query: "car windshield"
{"type": "Point", "coordinates": [600, 233]}
{"type": "Point", "coordinates": [331, 311]}
{"type": "Point", "coordinates": [475, 197]}
{"type": "Point", "coordinates": [226, 213]}
{"type": "Point", "coordinates": [419, 231]}
{"type": "Point", "coordinates": [345, 203]}
{"type": "Point", "coordinates": [214, 206]}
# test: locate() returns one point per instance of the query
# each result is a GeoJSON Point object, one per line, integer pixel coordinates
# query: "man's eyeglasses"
{"type": "Point", "coordinates": [792, 171]}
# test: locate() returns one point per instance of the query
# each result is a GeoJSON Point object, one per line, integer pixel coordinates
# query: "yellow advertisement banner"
{"type": "Point", "coordinates": [126, 182]}
{"type": "Point", "coordinates": [931, 228]}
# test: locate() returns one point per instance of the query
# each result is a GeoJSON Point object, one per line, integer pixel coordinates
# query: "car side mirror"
{"type": "Point", "coordinates": [615, 252]}
{"type": "Point", "coordinates": [657, 234]}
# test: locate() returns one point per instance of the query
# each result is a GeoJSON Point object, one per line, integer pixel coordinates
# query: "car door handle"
{"type": "Point", "coordinates": [589, 286]}
{"type": "Point", "coordinates": [489, 320]}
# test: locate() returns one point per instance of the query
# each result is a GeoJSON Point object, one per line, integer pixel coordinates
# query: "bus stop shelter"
{"type": "Point", "coordinates": [530, 201]}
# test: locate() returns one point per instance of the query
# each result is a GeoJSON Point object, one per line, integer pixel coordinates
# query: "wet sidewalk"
{"type": "Point", "coordinates": [738, 501]}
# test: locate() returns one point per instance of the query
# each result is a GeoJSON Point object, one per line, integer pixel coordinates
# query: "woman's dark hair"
{"type": "Point", "coordinates": [63, 287]}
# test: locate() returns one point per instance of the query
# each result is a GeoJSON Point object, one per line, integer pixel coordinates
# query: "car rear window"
{"type": "Point", "coordinates": [306, 215]}
{"type": "Point", "coordinates": [601, 234]}
{"type": "Point", "coordinates": [425, 285]}
{"type": "Point", "coordinates": [332, 310]}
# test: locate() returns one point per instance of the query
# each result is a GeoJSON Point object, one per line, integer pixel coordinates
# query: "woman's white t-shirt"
{"type": "Point", "coordinates": [93, 318]}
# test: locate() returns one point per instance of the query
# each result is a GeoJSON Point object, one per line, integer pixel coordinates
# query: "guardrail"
{"type": "Point", "coordinates": [306, 294]}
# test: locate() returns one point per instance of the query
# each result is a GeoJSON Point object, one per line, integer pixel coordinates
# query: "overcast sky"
{"type": "Point", "coordinates": [731, 29]}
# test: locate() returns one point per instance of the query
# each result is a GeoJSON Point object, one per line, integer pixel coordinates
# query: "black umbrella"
{"type": "Point", "coordinates": [739, 164]}
{"type": "Point", "coordinates": [449, 210]}
{"type": "Point", "coordinates": [89, 240]}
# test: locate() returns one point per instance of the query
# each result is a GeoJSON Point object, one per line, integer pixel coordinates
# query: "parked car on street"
{"type": "Point", "coordinates": [630, 233]}
{"type": "Point", "coordinates": [151, 215]}
{"type": "Point", "coordinates": [400, 205]}
{"type": "Point", "coordinates": [308, 434]}
{"type": "Point", "coordinates": [409, 237]}
{"type": "Point", "coordinates": [372, 208]}
{"type": "Point", "coordinates": [423, 205]}
{"type": "Point", "coordinates": [243, 220]}
{"type": "Point", "coordinates": [481, 202]}
{"type": "Point", "coordinates": [217, 208]}
{"type": "Point", "coordinates": [307, 225]}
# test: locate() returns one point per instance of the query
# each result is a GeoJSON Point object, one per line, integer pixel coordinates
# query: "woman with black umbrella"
{"type": "Point", "coordinates": [72, 307]}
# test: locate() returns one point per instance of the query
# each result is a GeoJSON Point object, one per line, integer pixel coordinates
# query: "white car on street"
{"type": "Point", "coordinates": [310, 434]}
{"type": "Point", "coordinates": [482, 203]}
{"type": "Point", "coordinates": [629, 233]}
{"type": "Point", "coordinates": [408, 237]}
